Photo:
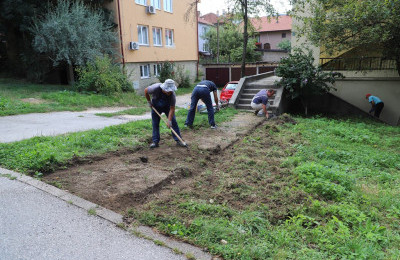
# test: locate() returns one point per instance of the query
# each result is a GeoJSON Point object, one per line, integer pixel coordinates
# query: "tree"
{"type": "Point", "coordinates": [231, 44]}
{"type": "Point", "coordinates": [285, 45]}
{"type": "Point", "coordinates": [302, 79]}
{"type": "Point", "coordinates": [244, 8]}
{"type": "Point", "coordinates": [345, 24]}
{"type": "Point", "coordinates": [71, 33]}
{"type": "Point", "coordinates": [16, 17]}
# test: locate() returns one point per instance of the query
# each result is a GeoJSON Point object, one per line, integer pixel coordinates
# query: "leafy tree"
{"type": "Point", "coordinates": [345, 24]}
{"type": "Point", "coordinates": [71, 33]}
{"type": "Point", "coordinates": [245, 8]}
{"type": "Point", "coordinates": [231, 44]}
{"type": "Point", "coordinates": [302, 79]}
{"type": "Point", "coordinates": [285, 45]}
{"type": "Point", "coordinates": [16, 17]}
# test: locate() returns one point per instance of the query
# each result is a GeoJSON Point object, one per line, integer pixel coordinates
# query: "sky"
{"type": "Point", "coordinates": [212, 6]}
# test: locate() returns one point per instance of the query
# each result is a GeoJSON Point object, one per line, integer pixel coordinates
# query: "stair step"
{"type": "Point", "coordinates": [248, 101]}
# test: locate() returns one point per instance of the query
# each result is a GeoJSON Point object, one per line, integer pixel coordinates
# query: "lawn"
{"type": "Point", "coordinates": [319, 189]}
{"type": "Point", "coordinates": [21, 97]}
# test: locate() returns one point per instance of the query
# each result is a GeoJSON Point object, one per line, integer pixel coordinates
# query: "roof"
{"type": "Point", "coordinates": [284, 23]}
{"type": "Point", "coordinates": [210, 17]}
{"type": "Point", "coordinates": [204, 21]}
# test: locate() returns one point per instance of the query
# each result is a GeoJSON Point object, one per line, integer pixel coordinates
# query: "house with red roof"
{"type": "Point", "coordinates": [271, 31]}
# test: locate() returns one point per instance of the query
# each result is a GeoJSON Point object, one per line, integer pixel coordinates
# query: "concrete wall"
{"type": "Point", "coordinates": [354, 87]}
{"type": "Point", "coordinates": [274, 56]}
{"type": "Point", "coordinates": [274, 38]}
{"type": "Point", "coordinates": [139, 84]}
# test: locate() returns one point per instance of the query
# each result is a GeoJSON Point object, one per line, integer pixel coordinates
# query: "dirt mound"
{"type": "Point", "coordinates": [122, 179]}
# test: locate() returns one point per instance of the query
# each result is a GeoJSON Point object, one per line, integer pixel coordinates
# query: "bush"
{"type": "Point", "coordinates": [182, 78]}
{"type": "Point", "coordinates": [167, 71]}
{"type": "Point", "coordinates": [302, 79]}
{"type": "Point", "coordinates": [102, 76]}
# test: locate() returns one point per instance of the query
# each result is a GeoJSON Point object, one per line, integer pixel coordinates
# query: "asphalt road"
{"type": "Point", "coordinates": [36, 225]}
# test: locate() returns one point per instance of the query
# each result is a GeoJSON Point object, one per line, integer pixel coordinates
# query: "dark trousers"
{"type": "Point", "coordinates": [161, 106]}
{"type": "Point", "coordinates": [203, 94]}
{"type": "Point", "coordinates": [378, 109]}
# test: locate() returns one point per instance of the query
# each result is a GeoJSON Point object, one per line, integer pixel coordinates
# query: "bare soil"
{"type": "Point", "coordinates": [127, 178]}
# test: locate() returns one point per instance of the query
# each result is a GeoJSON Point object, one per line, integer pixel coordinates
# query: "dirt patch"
{"type": "Point", "coordinates": [34, 100]}
{"type": "Point", "coordinates": [124, 179]}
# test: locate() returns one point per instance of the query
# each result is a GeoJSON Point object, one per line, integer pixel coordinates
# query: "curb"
{"type": "Point", "coordinates": [113, 217]}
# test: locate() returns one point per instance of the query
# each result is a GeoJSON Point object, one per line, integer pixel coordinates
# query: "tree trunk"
{"type": "Point", "coordinates": [70, 74]}
{"type": "Point", "coordinates": [245, 36]}
{"type": "Point", "coordinates": [304, 102]}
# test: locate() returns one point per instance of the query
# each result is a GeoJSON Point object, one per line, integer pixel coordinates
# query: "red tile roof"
{"type": "Point", "coordinates": [284, 23]}
{"type": "Point", "coordinates": [210, 17]}
{"type": "Point", "coordinates": [203, 21]}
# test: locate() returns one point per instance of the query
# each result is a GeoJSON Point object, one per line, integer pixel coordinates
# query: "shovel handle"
{"type": "Point", "coordinates": [173, 131]}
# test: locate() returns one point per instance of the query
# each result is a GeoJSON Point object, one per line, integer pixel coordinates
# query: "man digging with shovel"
{"type": "Point", "coordinates": [163, 100]}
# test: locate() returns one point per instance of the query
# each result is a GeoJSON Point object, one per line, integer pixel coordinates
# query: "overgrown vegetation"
{"type": "Point", "coordinates": [101, 76]}
{"type": "Point", "coordinates": [319, 189]}
{"type": "Point", "coordinates": [302, 79]}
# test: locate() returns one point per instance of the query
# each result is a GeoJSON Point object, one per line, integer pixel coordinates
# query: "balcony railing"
{"type": "Point", "coordinates": [363, 63]}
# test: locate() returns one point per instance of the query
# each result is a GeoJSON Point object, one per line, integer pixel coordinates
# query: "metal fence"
{"type": "Point", "coordinates": [363, 63]}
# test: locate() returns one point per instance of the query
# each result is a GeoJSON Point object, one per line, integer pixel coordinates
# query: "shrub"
{"type": "Point", "coordinates": [167, 71]}
{"type": "Point", "coordinates": [302, 79]}
{"type": "Point", "coordinates": [102, 76]}
{"type": "Point", "coordinates": [182, 78]}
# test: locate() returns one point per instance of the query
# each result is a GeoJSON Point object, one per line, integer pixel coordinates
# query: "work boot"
{"type": "Point", "coordinates": [256, 112]}
{"type": "Point", "coordinates": [153, 145]}
{"type": "Point", "coordinates": [214, 127]}
{"type": "Point", "coordinates": [181, 144]}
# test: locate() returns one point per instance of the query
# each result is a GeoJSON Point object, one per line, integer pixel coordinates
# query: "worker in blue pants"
{"type": "Point", "coordinates": [202, 91]}
{"type": "Point", "coordinates": [163, 101]}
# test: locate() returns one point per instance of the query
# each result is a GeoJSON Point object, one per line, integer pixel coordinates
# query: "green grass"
{"type": "Point", "coordinates": [40, 155]}
{"type": "Point", "coordinates": [132, 111]}
{"type": "Point", "coordinates": [56, 98]}
{"type": "Point", "coordinates": [346, 174]}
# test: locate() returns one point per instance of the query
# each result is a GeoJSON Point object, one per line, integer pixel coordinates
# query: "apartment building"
{"type": "Point", "coordinates": [152, 32]}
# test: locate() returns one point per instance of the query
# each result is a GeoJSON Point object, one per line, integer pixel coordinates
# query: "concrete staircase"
{"type": "Point", "coordinates": [249, 86]}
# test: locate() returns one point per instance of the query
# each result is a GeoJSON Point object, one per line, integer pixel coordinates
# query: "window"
{"type": "Point", "coordinates": [156, 4]}
{"type": "Point", "coordinates": [143, 35]}
{"type": "Point", "coordinates": [141, 2]}
{"type": "Point", "coordinates": [157, 69]}
{"type": "Point", "coordinates": [204, 31]}
{"type": "Point", "coordinates": [267, 46]}
{"type": "Point", "coordinates": [205, 47]}
{"type": "Point", "coordinates": [168, 5]}
{"type": "Point", "coordinates": [169, 37]}
{"type": "Point", "coordinates": [157, 36]}
{"type": "Point", "coordinates": [145, 71]}
{"type": "Point", "coordinates": [283, 35]}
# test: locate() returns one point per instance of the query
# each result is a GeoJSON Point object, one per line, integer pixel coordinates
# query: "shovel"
{"type": "Point", "coordinates": [173, 131]}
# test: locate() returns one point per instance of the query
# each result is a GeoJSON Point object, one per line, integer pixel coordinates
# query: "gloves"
{"type": "Point", "coordinates": [169, 124]}
{"type": "Point", "coordinates": [150, 104]}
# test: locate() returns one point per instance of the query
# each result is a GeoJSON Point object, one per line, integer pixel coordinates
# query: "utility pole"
{"type": "Point", "coordinates": [217, 37]}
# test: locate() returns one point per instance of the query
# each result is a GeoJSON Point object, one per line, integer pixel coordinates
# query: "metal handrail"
{"type": "Point", "coordinates": [358, 63]}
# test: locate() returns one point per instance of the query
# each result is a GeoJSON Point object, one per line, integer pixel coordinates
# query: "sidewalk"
{"type": "Point", "coordinates": [19, 127]}
{"type": "Point", "coordinates": [40, 221]}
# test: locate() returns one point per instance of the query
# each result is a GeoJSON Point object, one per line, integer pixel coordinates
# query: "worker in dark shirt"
{"type": "Point", "coordinates": [163, 100]}
{"type": "Point", "coordinates": [202, 91]}
{"type": "Point", "coordinates": [260, 101]}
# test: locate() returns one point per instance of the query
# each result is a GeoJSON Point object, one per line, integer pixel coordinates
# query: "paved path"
{"type": "Point", "coordinates": [36, 225]}
{"type": "Point", "coordinates": [19, 127]}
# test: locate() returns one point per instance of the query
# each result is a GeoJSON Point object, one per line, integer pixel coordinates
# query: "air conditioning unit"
{"type": "Point", "coordinates": [150, 9]}
{"type": "Point", "coordinates": [134, 46]}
